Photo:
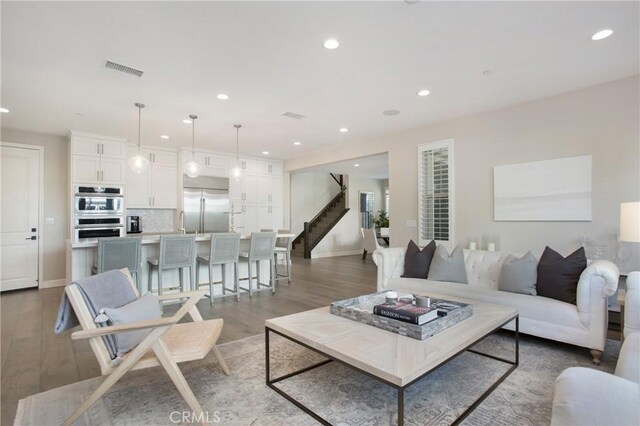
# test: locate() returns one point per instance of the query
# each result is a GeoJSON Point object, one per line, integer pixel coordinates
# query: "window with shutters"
{"type": "Point", "coordinates": [435, 192]}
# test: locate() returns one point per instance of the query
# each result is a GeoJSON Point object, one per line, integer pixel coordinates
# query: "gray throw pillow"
{"type": "Point", "coordinates": [519, 275]}
{"type": "Point", "coordinates": [145, 308]}
{"type": "Point", "coordinates": [445, 267]}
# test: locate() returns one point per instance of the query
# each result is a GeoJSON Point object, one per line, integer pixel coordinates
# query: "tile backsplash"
{"type": "Point", "coordinates": [154, 220]}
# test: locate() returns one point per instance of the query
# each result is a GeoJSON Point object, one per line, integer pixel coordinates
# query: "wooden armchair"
{"type": "Point", "coordinates": [167, 344]}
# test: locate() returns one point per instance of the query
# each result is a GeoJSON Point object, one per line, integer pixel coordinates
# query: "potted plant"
{"type": "Point", "coordinates": [382, 222]}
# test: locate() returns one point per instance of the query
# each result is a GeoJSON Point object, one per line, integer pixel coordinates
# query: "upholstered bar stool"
{"type": "Point", "coordinates": [261, 247]}
{"type": "Point", "coordinates": [283, 247]}
{"type": "Point", "coordinates": [176, 252]}
{"type": "Point", "coordinates": [119, 253]}
{"type": "Point", "coordinates": [225, 250]}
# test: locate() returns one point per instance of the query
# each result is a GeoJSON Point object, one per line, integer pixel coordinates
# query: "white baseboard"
{"type": "Point", "coordinates": [335, 254]}
{"type": "Point", "coordinates": [54, 283]}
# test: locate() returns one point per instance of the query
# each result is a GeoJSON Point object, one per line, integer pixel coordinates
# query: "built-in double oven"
{"type": "Point", "coordinates": [98, 212]}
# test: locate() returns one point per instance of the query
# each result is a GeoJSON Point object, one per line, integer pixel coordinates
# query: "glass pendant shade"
{"type": "Point", "coordinates": [138, 163]}
{"type": "Point", "coordinates": [236, 172]}
{"type": "Point", "coordinates": [193, 168]}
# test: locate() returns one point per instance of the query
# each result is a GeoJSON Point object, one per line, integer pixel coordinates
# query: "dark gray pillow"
{"type": "Point", "coordinates": [416, 261]}
{"type": "Point", "coordinates": [448, 268]}
{"type": "Point", "coordinates": [145, 308]}
{"type": "Point", "coordinates": [519, 275]}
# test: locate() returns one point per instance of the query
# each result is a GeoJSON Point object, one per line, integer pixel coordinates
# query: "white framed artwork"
{"type": "Point", "coordinates": [550, 190]}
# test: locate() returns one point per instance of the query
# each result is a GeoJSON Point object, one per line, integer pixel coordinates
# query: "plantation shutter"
{"type": "Point", "coordinates": [435, 186]}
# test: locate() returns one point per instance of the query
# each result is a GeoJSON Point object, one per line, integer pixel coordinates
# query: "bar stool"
{"type": "Point", "coordinates": [118, 253]}
{"type": "Point", "coordinates": [283, 247]}
{"type": "Point", "coordinates": [176, 252]}
{"type": "Point", "coordinates": [225, 250]}
{"type": "Point", "coordinates": [261, 247]}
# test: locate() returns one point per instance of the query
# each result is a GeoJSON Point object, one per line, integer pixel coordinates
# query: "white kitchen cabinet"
{"type": "Point", "coordinates": [245, 189]}
{"type": "Point", "coordinates": [96, 160]}
{"type": "Point", "coordinates": [211, 164]}
{"type": "Point", "coordinates": [247, 222]}
{"type": "Point", "coordinates": [269, 217]}
{"type": "Point", "coordinates": [268, 167]}
{"type": "Point", "coordinates": [157, 186]}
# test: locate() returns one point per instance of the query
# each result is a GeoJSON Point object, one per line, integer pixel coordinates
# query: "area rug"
{"type": "Point", "coordinates": [338, 394]}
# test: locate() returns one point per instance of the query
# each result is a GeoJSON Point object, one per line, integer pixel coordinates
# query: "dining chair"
{"type": "Point", "coordinates": [118, 253]}
{"type": "Point", "coordinates": [283, 247]}
{"type": "Point", "coordinates": [261, 248]}
{"type": "Point", "coordinates": [369, 242]}
{"type": "Point", "coordinates": [176, 252]}
{"type": "Point", "coordinates": [224, 250]}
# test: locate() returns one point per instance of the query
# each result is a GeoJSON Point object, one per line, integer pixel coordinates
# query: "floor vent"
{"type": "Point", "coordinates": [293, 115]}
{"type": "Point", "coordinates": [123, 68]}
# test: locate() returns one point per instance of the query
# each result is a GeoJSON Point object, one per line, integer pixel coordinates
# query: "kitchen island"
{"type": "Point", "coordinates": [81, 256]}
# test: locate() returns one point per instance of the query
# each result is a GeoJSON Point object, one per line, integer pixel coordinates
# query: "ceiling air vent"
{"type": "Point", "coordinates": [293, 115]}
{"type": "Point", "coordinates": [123, 68]}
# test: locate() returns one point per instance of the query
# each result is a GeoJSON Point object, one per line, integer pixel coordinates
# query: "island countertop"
{"type": "Point", "coordinates": [154, 238]}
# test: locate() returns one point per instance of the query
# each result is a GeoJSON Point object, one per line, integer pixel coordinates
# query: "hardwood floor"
{"type": "Point", "coordinates": [34, 359]}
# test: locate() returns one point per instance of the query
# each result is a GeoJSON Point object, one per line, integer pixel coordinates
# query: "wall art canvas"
{"type": "Point", "coordinates": [550, 190]}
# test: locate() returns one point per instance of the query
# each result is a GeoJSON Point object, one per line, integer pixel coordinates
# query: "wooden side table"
{"type": "Point", "coordinates": [621, 296]}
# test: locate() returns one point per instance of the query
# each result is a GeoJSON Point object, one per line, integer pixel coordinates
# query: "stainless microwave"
{"type": "Point", "coordinates": [90, 201]}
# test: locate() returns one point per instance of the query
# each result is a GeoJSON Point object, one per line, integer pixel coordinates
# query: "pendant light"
{"type": "Point", "coordinates": [138, 163]}
{"type": "Point", "coordinates": [236, 172]}
{"type": "Point", "coordinates": [192, 167]}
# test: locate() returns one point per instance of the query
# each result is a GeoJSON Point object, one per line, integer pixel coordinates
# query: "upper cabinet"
{"type": "Point", "coordinates": [211, 164]}
{"type": "Point", "coordinates": [98, 160]}
{"type": "Point", "coordinates": [268, 167]}
{"type": "Point", "coordinates": [156, 187]}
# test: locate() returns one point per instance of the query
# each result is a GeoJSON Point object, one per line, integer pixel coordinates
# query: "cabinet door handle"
{"type": "Point", "coordinates": [101, 148]}
{"type": "Point", "coordinates": [98, 146]}
{"type": "Point", "coordinates": [153, 201]}
{"type": "Point", "coordinates": [149, 201]}
{"type": "Point", "coordinates": [98, 175]}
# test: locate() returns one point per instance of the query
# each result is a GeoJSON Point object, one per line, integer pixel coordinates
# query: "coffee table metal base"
{"type": "Point", "coordinates": [400, 389]}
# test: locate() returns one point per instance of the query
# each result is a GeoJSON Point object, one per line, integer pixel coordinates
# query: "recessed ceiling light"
{"type": "Point", "coordinates": [486, 72]}
{"type": "Point", "coordinates": [164, 137]}
{"type": "Point", "coordinates": [343, 130]}
{"type": "Point", "coordinates": [423, 92]}
{"type": "Point", "coordinates": [265, 152]}
{"type": "Point", "coordinates": [222, 96]}
{"type": "Point", "coordinates": [600, 35]}
{"type": "Point", "coordinates": [4, 110]}
{"type": "Point", "coordinates": [297, 143]}
{"type": "Point", "coordinates": [186, 121]}
{"type": "Point", "coordinates": [356, 165]}
{"type": "Point", "coordinates": [331, 44]}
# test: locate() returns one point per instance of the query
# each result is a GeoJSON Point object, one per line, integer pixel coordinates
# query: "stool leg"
{"type": "Point", "coordinates": [181, 277]}
{"type": "Point", "coordinates": [258, 275]}
{"type": "Point", "coordinates": [272, 265]}
{"type": "Point", "coordinates": [197, 274]}
{"type": "Point", "coordinates": [159, 281]}
{"type": "Point", "coordinates": [149, 278]}
{"type": "Point", "coordinates": [223, 271]}
{"type": "Point", "coordinates": [191, 287]}
{"type": "Point", "coordinates": [250, 279]}
{"type": "Point", "coordinates": [287, 258]}
{"type": "Point", "coordinates": [236, 281]}
{"type": "Point", "coordinates": [210, 284]}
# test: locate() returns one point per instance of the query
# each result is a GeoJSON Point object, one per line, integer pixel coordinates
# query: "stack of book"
{"type": "Point", "coordinates": [408, 312]}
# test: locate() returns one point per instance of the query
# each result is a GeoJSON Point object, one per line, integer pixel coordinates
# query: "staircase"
{"type": "Point", "coordinates": [318, 227]}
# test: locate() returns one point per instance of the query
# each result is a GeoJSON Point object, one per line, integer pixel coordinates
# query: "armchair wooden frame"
{"type": "Point", "coordinates": [167, 344]}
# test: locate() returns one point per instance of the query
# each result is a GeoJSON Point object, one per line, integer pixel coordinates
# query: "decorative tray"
{"type": "Point", "coordinates": [361, 309]}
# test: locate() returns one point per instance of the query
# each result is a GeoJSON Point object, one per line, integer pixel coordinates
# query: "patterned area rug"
{"type": "Point", "coordinates": [339, 394]}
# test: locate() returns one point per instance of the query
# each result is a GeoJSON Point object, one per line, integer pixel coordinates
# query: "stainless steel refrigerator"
{"type": "Point", "coordinates": [206, 204]}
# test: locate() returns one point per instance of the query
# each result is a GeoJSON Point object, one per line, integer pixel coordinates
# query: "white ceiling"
{"type": "Point", "coordinates": [373, 166]}
{"type": "Point", "coordinates": [268, 57]}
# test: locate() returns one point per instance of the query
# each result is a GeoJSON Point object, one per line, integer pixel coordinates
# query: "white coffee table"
{"type": "Point", "coordinates": [396, 360]}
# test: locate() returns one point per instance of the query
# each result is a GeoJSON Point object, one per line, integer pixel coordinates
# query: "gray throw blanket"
{"type": "Point", "coordinates": [109, 289]}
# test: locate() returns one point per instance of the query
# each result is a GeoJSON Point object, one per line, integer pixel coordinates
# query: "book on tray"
{"type": "Point", "coordinates": [406, 312]}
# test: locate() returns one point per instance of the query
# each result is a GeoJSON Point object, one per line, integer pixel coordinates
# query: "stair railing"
{"type": "Point", "coordinates": [307, 225]}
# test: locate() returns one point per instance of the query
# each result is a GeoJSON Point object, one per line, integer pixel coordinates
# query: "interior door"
{"type": "Point", "coordinates": [20, 175]}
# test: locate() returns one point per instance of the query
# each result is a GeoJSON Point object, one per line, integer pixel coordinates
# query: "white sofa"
{"type": "Point", "coordinates": [584, 324]}
{"type": "Point", "coordinates": [584, 396]}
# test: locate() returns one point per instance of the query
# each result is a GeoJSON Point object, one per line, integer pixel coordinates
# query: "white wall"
{"type": "Point", "coordinates": [311, 191]}
{"type": "Point", "coordinates": [601, 120]}
{"type": "Point", "coordinates": [55, 196]}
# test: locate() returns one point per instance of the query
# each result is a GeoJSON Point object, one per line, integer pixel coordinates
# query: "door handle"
{"type": "Point", "coordinates": [33, 238]}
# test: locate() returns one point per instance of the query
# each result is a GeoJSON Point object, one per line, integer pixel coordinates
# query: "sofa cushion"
{"type": "Point", "coordinates": [416, 261]}
{"type": "Point", "coordinates": [518, 275]}
{"type": "Point", "coordinates": [558, 276]}
{"type": "Point", "coordinates": [565, 315]}
{"type": "Point", "coordinates": [445, 267]}
{"type": "Point", "coordinates": [584, 396]}
{"type": "Point", "coordinates": [628, 366]}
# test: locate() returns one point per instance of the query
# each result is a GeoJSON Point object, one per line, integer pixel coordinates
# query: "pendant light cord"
{"type": "Point", "coordinates": [140, 106]}
{"type": "Point", "coordinates": [193, 135]}
{"type": "Point", "coordinates": [237, 126]}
